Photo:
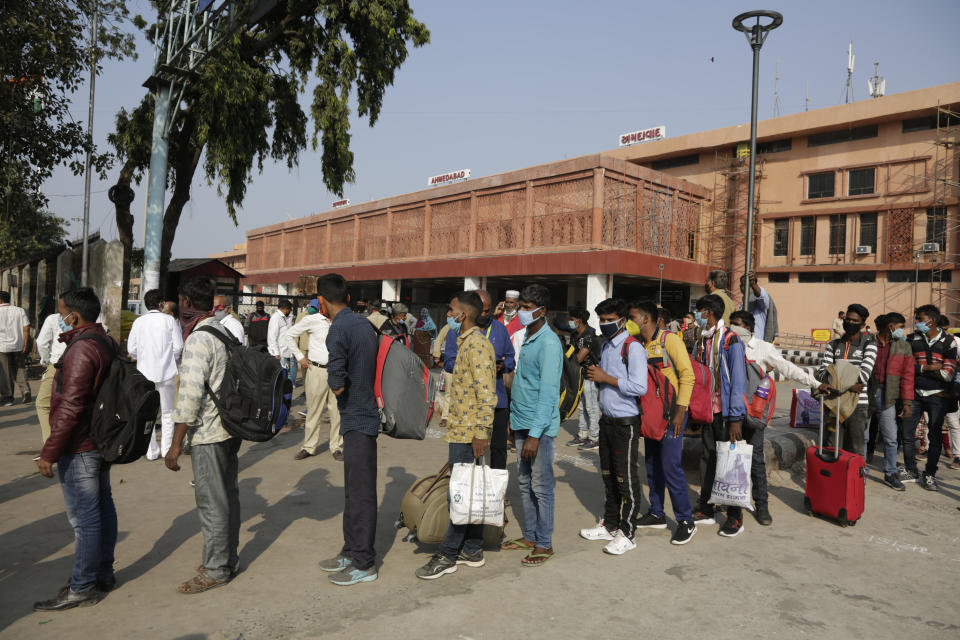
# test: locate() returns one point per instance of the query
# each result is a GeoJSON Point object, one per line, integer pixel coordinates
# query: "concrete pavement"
{"type": "Point", "coordinates": [894, 575]}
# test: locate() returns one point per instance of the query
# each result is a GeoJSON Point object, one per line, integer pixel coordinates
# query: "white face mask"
{"type": "Point", "coordinates": [743, 332]}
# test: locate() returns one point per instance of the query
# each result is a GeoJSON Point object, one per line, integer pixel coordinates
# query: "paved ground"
{"type": "Point", "coordinates": [894, 575]}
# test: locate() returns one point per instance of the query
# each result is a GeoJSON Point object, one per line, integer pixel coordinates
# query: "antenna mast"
{"type": "Point", "coordinates": [806, 98]}
{"type": "Point", "coordinates": [877, 85]}
{"type": "Point", "coordinates": [850, 58]}
{"type": "Point", "coordinates": [777, 105]}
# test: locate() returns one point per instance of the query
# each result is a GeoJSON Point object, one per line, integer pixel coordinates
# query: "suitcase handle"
{"type": "Point", "coordinates": [836, 430]}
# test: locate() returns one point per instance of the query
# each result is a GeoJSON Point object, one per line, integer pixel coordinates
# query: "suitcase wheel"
{"type": "Point", "coordinates": [852, 523]}
{"type": "Point", "coordinates": [807, 506]}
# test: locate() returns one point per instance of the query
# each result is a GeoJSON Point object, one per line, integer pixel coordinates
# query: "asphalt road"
{"type": "Point", "coordinates": [894, 575]}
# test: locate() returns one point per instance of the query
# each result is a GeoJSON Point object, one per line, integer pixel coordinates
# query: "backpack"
{"type": "Point", "coordinates": [659, 402]}
{"type": "Point", "coordinates": [403, 390]}
{"type": "Point", "coordinates": [125, 409]}
{"type": "Point", "coordinates": [571, 384]}
{"type": "Point", "coordinates": [700, 410]}
{"type": "Point", "coordinates": [254, 399]}
{"type": "Point", "coordinates": [759, 409]}
{"type": "Point", "coordinates": [258, 328]}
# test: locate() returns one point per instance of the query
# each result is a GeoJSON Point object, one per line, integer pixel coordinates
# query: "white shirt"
{"type": "Point", "coordinates": [279, 324]}
{"type": "Point", "coordinates": [48, 340]}
{"type": "Point", "coordinates": [770, 358]}
{"type": "Point", "coordinates": [316, 326]}
{"type": "Point", "coordinates": [156, 343]}
{"type": "Point", "coordinates": [12, 321]}
{"type": "Point", "coordinates": [235, 327]}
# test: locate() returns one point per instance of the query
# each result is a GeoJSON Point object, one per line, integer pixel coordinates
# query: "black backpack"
{"type": "Point", "coordinates": [257, 329]}
{"type": "Point", "coordinates": [254, 399]}
{"type": "Point", "coordinates": [125, 410]}
{"type": "Point", "coordinates": [571, 384]}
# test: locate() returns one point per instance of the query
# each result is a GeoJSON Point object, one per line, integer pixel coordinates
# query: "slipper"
{"type": "Point", "coordinates": [517, 545]}
{"type": "Point", "coordinates": [536, 556]}
{"type": "Point", "coordinates": [200, 583]}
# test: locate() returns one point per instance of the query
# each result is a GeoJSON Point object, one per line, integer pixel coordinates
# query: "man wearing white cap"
{"type": "Point", "coordinates": [507, 312]}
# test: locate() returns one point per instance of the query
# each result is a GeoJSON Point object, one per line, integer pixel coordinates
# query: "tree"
{"type": "Point", "coordinates": [45, 56]}
{"type": "Point", "coordinates": [244, 108]}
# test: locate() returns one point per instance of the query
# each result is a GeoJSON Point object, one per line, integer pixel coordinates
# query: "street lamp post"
{"type": "Point", "coordinates": [756, 35]}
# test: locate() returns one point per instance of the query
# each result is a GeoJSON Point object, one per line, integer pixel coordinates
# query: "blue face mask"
{"type": "Point", "coordinates": [454, 325]}
{"type": "Point", "coordinates": [63, 325]}
{"type": "Point", "coordinates": [922, 327]}
{"type": "Point", "coordinates": [526, 317]}
{"type": "Point", "coordinates": [899, 334]}
{"type": "Point", "coordinates": [573, 325]}
{"type": "Point", "coordinates": [700, 320]}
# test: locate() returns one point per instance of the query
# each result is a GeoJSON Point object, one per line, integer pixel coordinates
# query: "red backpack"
{"type": "Point", "coordinates": [700, 410]}
{"type": "Point", "coordinates": [657, 405]}
{"type": "Point", "coordinates": [760, 406]}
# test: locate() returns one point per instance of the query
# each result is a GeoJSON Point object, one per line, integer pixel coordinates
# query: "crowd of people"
{"type": "Point", "coordinates": [502, 367]}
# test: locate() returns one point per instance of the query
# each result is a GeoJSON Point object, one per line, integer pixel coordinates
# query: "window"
{"type": "Point", "coordinates": [919, 124]}
{"type": "Point", "coordinates": [692, 245]}
{"type": "Point", "coordinates": [807, 277]}
{"type": "Point", "coordinates": [860, 181]}
{"type": "Point", "coordinates": [774, 146]}
{"type": "Point", "coordinates": [937, 226]}
{"type": "Point", "coordinates": [863, 276]}
{"type": "Point", "coordinates": [808, 236]}
{"type": "Point", "coordinates": [781, 236]}
{"type": "Point", "coordinates": [900, 276]}
{"type": "Point", "coordinates": [844, 135]}
{"type": "Point", "coordinates": [838, 235]}
{"type": "Point", "coordinates": [679, 161]}
{"type": "Point", "coordinates": [778, 277]}
{"type": "Point", "coordinates": [868, 231]}
{"type": "Point", "coordinates": [820, 185]}
{"type": "Point", "coordinates": [925, 276]}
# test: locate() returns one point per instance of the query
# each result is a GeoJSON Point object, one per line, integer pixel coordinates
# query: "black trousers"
{"type": "Point", "coordinates": [620, 468]}
{"type": "Point", "coordinates": [498, 441]}
{"type": "Point", "coordinates": [719, 431]}
{"type": "Point", "coordinates": [360, 498]}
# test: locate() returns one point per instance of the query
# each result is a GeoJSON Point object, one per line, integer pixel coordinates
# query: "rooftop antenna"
{"type": "Point", "coordinates": [877, 86]}
{"type": "Point", "coordinates": [777, 104]}
{"type": "Point", "coordinates": [850, 58]}
{"type": "Point", "coordinates": [806, 97]}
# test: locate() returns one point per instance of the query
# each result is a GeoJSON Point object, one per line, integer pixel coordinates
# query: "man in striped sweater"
{"type": "Point", "coordinates": [860, 349]}
{"type": "Point", "coordinates": [935, 359]}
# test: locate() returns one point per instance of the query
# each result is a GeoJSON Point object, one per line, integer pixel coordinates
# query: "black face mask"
{"type": "Point", "coordinates": [852, 328]}
{"type": "Point", "coordinates": [483, 321]}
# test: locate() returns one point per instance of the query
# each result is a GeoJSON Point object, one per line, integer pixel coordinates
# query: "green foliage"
{"type": "Point", "coordinates": [29, 236]}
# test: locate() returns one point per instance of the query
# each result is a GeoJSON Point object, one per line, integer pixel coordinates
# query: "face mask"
{"type": "Point", "coordinates": [920, 327]}
{"type": "Point", "coordinates": [526, 317]}
{"type": "Point", "coordinates": [312, 310]}
{"type": "Point", "coordinates": [572, 325]}
{"type": "Point", "coordinates": [743, 332]}
{"type": "Point", "coordinates": [851, 328]}
{"type": "Point", "coordinates": [483, 321]}
{"type": "Point", "coordinates": [63, 325]}
{"type": "Point", "coordinates": [610, 329]}
{"type": "Point", "coordinates": [899, 334]}
{"type": "Point", "coordinates": [454, 325]}
{"type": "Point", "coordinates": [220, 314]}
{"type": "Point", "coordinates": [700, 320]}
{"type": "Point", "coordinates": [632, 328]}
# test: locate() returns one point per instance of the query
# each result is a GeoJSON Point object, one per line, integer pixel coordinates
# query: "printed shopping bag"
{"type": "Point", "coordinates": [804, 409]}
{"type": "Point", "coordinates": [476, 494]}
{"type": "Point", "coordinates": [731, 484]}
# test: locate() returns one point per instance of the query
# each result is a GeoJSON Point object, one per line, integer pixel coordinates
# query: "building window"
{"type": "Point", "coordinates": [937, 226]}
{"type": "Point", "coordinates": [925, 276]}
{"type": "Point", "coordinates": [860, 181]}
{"type": "Point", "coordinates": [781, 236]}
{"type": "Point", "coordinates": [774, 146]}
{"type": "Point", "coordinates": [919, 124]}
{"type": "Point", "coordinates": [838, 235]}
{"type": "Point", "coordinates": [808, 236]}
{"type": "Point", "coordinates": [844, 135]}
{"type": "Point", "coordinates": [778, 277]}
{"type": "Point", "coordinates": [863, 276]}
{"type": "Point", "coordinates": [679, 161]}
{"type": "Point", "coordinates": [820, 185]}
{"type": "Point", "coordinates": [868, 231]}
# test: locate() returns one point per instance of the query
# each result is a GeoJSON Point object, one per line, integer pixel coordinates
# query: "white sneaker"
{"type": "Point", "coordinates": [598, 532]}
{"type": "Point", "coordinates": [620, 545]}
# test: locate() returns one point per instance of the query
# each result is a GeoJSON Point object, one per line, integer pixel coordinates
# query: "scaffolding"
{"type": "Point", "coordinates": [946, 188]}
{"type": "Point", "coordinates": [726, 244]}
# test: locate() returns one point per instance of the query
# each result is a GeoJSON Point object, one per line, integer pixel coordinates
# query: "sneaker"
{"type": "Point", "coordinates": [599, 532]}
{"type": "Point", "coordinates": [193, 483]}
{"type": "Point", "coordinates": [590, 445]}
{"type": "Point", "coordinates": [338, 456]}
{"type": "Point", "coordinates": [762, 514]}
{"type": "Point", "coordinates": [350, 577]}
{"type": "Point", "coordinates": [576, 442]}
{"type": "Point", "coordinates": [922, 455]}
{"type": "Point", "coordinates": [732, 527]}
{"type": "Point", "coordinates": [650, 521]}
{"type": "Point", "coordinates": [471, 560]}
{"type": "Point", "coordinates": [27, 398]}
{"type": "Point", "coordinates": [339, 563]}
{"type": "Point", "coordinates": [302, 414]}
{"type": "Point", "coordinates": [439, 565]}
{"type": "Point", "coordinates": [684, 532]}
{"type": "Point", "coordinates": [955, 464]}
{"type": "Point", "coordinates": [620, 544]}
{"type": "Point", "coordinates": [908, 476]}
{"type": "Point", "coordinates": [928, 482]}
{"type": "Point", "coordinates": [892, 481]}
{"type": "Point", "coordinates": [7, 403]}
{"type": "Point", "coordinates": [704, 515]}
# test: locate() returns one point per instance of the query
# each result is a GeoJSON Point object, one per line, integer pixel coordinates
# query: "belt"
{"type": "Point", "coordinates": [317, 364]}
{"type": "Point", "coordinates": [621, 421]}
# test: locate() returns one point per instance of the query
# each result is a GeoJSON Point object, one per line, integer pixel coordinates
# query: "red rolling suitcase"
{"type": "Point", "coordinates": [835, 481]}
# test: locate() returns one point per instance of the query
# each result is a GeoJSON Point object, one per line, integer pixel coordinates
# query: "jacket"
{"type": "Point", "coordinates": [861, 351]}
{"type": "Point", "coordinates": [80, 373]}
{"type": "Point", "coordinates": [842, 375]}
{"type": "Point", "coordinates": [731, 367]}
{"type": "Point", "coordinates": [899, 374]}
{"type": "Point", "coordinates": [941, 351]}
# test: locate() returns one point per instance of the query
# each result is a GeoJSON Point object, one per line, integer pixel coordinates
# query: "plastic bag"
{"type": "Point", "coordinates": [476, 494]}
{"type": "Point", "coordinates": [804, 409]}
{"type": "Point", "coordinates": [731, 484]}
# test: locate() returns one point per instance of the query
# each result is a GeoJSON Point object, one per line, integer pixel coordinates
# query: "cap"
{"type": "Point", "coordinates": [513, 293]}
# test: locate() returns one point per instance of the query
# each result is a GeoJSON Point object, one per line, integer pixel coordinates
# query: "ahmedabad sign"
{"type": "Point", "coordinates": [645, 135]}
{"type": "Point", "coordinates": [341, 203]}
{"type": "Point", "coordinates": [447, 178]}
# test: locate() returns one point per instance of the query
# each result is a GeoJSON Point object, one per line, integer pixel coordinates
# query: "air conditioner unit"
{"type": "Point", "coordinates": [930, 247]}
{"type": "Point", "coordinates": [863, 249]}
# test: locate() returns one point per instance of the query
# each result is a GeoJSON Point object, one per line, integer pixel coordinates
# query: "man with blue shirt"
{"type": "Point", "coordinates": [535, 421]}
{"type": "Point", "coordinates": [499, 337]}
{"type": "Point", "coordinates": [620, 387]}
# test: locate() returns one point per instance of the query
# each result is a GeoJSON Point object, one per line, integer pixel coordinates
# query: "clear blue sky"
{"type": "Point", "coordinates": [504, 85]}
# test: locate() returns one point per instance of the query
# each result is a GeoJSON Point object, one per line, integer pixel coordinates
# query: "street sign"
{"type": "Point", "coordinates": [644, 135]}
{"type": "Point", "coordinates": [821, 335]}
{"type": "Point", "coordinates": [448, 178]}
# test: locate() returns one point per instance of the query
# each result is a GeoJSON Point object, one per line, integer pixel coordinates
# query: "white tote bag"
{"type": "Point", "coordinates": [731, 484]}
{"type": "Point", "coordinates": [476, 494]}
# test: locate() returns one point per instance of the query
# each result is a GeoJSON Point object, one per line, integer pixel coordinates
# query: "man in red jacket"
{"type": "Point", "coordinates": [893, 373]}
{"type": "Point", "coordinates": [84, 477]}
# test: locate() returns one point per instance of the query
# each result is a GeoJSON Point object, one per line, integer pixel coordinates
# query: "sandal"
{"type": "Point", "coordinates": [200, 583]}
{"type": "Point", "coordinates": [517, 545]}
{"type": "Point", "coordinates": [536, 559]}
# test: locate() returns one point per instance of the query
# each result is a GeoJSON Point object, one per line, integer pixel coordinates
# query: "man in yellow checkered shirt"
{"type": "Point", "coordinates": [471, 399]}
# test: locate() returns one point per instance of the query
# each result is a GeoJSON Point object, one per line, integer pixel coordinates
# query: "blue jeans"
{"type": "Point", "coordinates": [664, 470]}
{"type": "Point", "coordinates": [887, 418]}
{"type": "Point", "coordinates": [290, 364]}
{"type": "Point", "coordinates": [469, 537]}
{"type": "Point", "coordinates": [535, 478]}
{"type": "Point", "coordinates": [85, 480]}
{"type": "Point", "coordinates": [589, 425]}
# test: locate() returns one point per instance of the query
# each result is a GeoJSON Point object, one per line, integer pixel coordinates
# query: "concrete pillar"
{"type": "Point", "coordinates": [472, 283]}
{"type": "Point", "coordinates": [390, 290]}
{"type": "Point", "coordinates": [599, 288]}
{"type": "Point", "coordinates": [64, 272]}
{"type": "Point", "coordinates": [28, 295]}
